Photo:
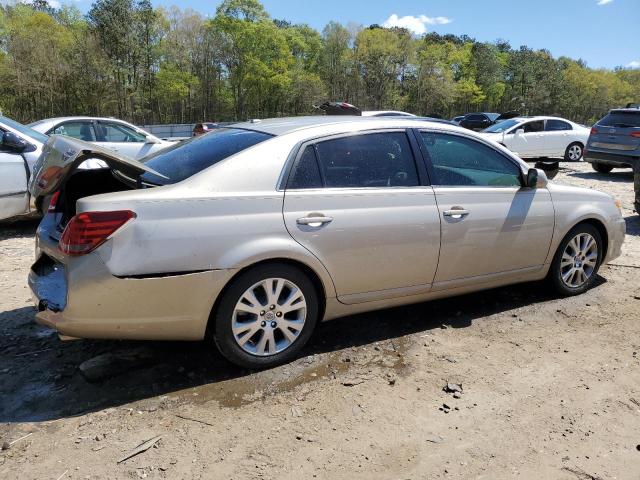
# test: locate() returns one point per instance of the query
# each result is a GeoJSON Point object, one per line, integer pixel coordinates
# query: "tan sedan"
{"type": "Point", "coordinates": [252, 234]}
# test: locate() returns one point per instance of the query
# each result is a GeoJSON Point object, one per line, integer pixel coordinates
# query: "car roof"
{"type": "Point", "coordinates": [65, 119]}
{"type": "Point", "coordinates": [625, 110]}
{"type": "Point", "coordinates": [283, 126]}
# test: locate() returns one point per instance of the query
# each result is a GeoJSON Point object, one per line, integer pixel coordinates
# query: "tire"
{"type": "Point", "coordinates": [574, 152]}
{"type": "Point", "coordinates": [565, 282]}
{"type": "Point", "coordinates": [601, 168]}
{"type": "Point", "coordinates": [260, 341]}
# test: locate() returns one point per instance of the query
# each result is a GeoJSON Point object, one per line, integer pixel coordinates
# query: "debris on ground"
{"type": "Point", "coordinates": [143, 447]}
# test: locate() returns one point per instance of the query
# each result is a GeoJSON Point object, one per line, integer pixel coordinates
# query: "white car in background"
{"type": "Point", "coordinates": [533, 137]}
{"type": "Point", "coordinates": [386, 113]}
{"type": "Point", "coordinates": [20, 147]}
{"type": "Point", "coordinates": [116, 135]}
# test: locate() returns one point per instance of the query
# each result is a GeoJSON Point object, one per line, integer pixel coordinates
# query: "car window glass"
{"type": "Point", "coordinates": [115, 132]}
{"type": "Point", "coordinates": [621, 120]}
{"type": "Point", "coordinates": [306, 173]}
{"type": "Point", "coordinates": [475, 117]}
{"type": "Point", "coordinates": [80, 130]}
{"type": "Point", "coordinates": [186, 158]}
{"type": "Point", "coordinates": [532, 127]}
{"type": "Point", "coordinates": [557, 125]}
{"type": "Point", "coordinates": [461, 161]}
{"type": "Point", "coordinates": [370, 160]}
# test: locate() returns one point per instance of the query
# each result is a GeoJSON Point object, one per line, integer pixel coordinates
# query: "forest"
{"type": "Point", "coordinates": [127, 59]}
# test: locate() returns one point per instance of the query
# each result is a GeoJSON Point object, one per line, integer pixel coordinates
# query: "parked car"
{"type": "Point", "coordinates": [20, 147]}
{"type": "Point", "coordinates": [532, 137]}
{"type": "Point", "coordinates": [481, 120]}
{"type": "Point", "coordinates": [202, 128]}
{"type": "Point", "coordinates": [252, 234]}
{"type": "Point", "coordinates": [615, 140]}
{"type": "Point", "coordinates": [116, 135]}
{"type": "Point", "coordinates": [457, 119]}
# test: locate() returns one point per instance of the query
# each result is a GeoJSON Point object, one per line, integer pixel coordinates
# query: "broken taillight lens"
{"type": "Point", "coordinates": [87, 231]}
{"type": "Point", "coordinates": [53, 202]}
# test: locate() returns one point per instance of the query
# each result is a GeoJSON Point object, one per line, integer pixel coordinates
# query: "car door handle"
{"type": "Point", "coordinates": [314, 221]}
{"type": "Point", "coordinates": [455, 213]}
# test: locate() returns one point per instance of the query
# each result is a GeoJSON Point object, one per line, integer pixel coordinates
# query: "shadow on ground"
{"type": "Point", "coordinates": [625, 175]}
{"type": "Point", "coordinates": [40, 380]}
{"type": "Point", "coordinates": [18, 228]}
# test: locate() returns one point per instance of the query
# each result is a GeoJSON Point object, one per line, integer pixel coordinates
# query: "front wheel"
{"type": "Point", "coordinates": [573, 153]}
{"type": "Point", "coordinates": [601, 168]}
{"type": "Point", "coordinates": [266, 316]}
{"type": "Point", "coordinates": [577, 260]}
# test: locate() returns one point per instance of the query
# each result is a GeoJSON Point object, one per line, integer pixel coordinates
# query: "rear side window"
{"type": "Point", "coordinates": [189, 157]}
{"type": "Point", "coordinates": [306, 173]}
{"type": "Point", "coordinates": [621, 120]}
{"type": "Point", "coordinates": [369, 160]}
{"type": "Point", "coordinates": [557, 125]}
{"type": "Point", "coordinates": [460, 161]}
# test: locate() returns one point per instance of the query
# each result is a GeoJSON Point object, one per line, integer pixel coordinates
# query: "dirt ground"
{"type": "Point", "coordinates": [550, 389]}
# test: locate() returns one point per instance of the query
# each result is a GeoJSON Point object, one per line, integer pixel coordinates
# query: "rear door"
{"type": "Point", "coordinates": [122, 139]}
{"type": "Point", "coordinates": [491, 224]}
{"type": "Point", "coordinates": [14, 198]}
{"type": "Point", "coordinates": [557, 136]}
{"type": "Point", "coordinates": [361, 204]}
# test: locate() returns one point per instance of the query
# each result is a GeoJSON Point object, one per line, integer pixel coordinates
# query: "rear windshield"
{"type": "Point", "coordinates": [189, 157]}
{"type": "Point", "coordinates": [621, 120]}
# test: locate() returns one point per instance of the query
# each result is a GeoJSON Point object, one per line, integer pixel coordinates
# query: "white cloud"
{"type": "Point", "coordinates": [604, 2]}
{"type": "Point", "coordinates": [634, 64]}
{"type": "Point", "coordinates": [416, 24]}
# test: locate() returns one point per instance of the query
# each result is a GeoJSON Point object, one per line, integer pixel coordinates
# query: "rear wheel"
{"type": "Point", "coordinates": [573, 153]}
{"type": "Point", "coordinates": [266, 316]}
{"type": "Point", "coordinates": [577, 260]}
{"type": "Point", "coordinates": [601, 168]}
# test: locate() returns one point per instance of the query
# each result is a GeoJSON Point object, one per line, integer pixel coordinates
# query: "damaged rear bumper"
{"type": "Point", "coordinates": [80, 298]}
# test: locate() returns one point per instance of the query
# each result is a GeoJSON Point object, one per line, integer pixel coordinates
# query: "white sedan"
{"type": "Point", "coordinates": [116, 135]}
{"type": "Point", "coordinates": [532, 137]}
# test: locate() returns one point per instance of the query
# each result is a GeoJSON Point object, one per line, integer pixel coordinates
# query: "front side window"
{"type": "Point", "coordinates": [80, 130]}
{"type": "Point", "coordinates": [557, 126]}
{"type": "Point", "coordinates": [115, 132]}
{"type": "Point", "coordinates": [502, 126]}
{"type": "Point", "coordinates": [533, 127]}
{"type": "Point", "coordinates": [461, 161]}
{"type": "Point", "coordinates": [368, 160]}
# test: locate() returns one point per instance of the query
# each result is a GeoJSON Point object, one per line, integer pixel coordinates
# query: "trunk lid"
{"type": "Point", "coordinates": [62, 155]}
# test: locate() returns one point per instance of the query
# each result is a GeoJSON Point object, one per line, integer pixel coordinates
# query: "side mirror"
{"type": "Point", "coordinates": [520, 131]}
{"type": "Point", "coordinates": [13, 142]}
{"type": "Point", "coordinates": [536, 178]}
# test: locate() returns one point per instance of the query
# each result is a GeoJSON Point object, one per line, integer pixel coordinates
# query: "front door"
{"type": "Point", "coordinates": [358, 204]}
{"type": "Point", "coordinates": [122, 139]}
{"type": "Point", "coordinates": [529, 143]}
{"type": "Point", "coordinates": [14, 198]}
{"type": "Point", "coordinates": [491, 224]}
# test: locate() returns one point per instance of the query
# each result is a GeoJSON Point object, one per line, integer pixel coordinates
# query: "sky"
{"type": "Point", "coordinates": [604, 33]}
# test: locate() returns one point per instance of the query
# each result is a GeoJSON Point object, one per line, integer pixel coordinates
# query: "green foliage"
{"type": "Point", "coordinates": [126, 58]}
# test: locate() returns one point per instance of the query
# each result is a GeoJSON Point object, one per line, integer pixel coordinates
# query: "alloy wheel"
{"type": "Point", "coordinates": [269, 317]}
{"type": "Point", "coordinates": [575, 152]}
{"type": "Point", "coordinates": [579, 260]}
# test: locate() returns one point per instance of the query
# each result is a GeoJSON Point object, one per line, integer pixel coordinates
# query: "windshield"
{"type": "Point", "coordinates": [502, 126]}
{"type": "Point", "coordinates": [621, 120]}
{"type": "Point", "coordinates": [189, 157]}
{"type": "Point", "coordinates": [24, 130]}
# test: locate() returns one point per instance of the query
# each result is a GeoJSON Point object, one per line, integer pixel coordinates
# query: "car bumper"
{"type": "Point", "coordinates": [78, 297]}
{"type": "Point", "coordinates": [612, 159]}
{"type": "Point", "coordinates": [617, 230]}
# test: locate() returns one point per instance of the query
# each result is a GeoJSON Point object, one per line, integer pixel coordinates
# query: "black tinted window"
{"type": "Point", "coordinates": [192, 156]}
{"type": "Point", "coordinates": [531, 127]}
{"type": "Point", "coordinates": [557, 125]}
{"type": "Point", "coordinates": [475, 118]}
{"type": "Point", "coordinates": [306, 173]}
{"type": "Point", "coordinates": [371, 160]}
{"type": "Point", "coordinates": [462, 161]}
{"type": "Point", "coordinates": [621, 120]}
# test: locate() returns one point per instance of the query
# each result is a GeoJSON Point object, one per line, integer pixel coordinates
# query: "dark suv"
{"type": "Point", "coordinates": [614, 142]}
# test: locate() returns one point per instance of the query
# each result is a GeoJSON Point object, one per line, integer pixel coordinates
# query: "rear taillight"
{"type": "Point", "coordinates": [53, 202]}
{"type": "Point", "coordinates": [635, 134]}
{"type": "Point", "coordinates": [594, 131]}
{"type": "Point", "coordinates": [87, 231]}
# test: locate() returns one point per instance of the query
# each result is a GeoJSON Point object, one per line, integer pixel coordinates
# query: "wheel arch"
{"type": "Point", "coordinates": [602, 230]}
{"type": "Point", "coordinates": [314, 277]}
